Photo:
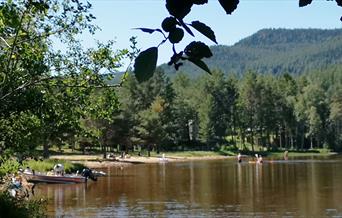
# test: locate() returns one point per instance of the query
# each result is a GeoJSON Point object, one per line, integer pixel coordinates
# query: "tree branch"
{"type": "Point", "coordinates": [15, 41]}
{"type": "Point", "coordinates": [5, 42]}
{"type": "Point", "coordinates": [44, 35]}
{"type": "Point", "coordinates": [27, 84]}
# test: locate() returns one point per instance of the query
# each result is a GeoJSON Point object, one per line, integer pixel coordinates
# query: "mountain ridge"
{"type": "Point", "coordinates": [275, 51]}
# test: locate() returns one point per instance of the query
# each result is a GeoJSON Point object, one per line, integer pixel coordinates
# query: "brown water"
{"type": "Point", "coordinates": [221, 188]}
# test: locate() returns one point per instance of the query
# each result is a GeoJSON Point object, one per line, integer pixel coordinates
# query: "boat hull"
{"type": "Point", "coordinates": [69, 179]}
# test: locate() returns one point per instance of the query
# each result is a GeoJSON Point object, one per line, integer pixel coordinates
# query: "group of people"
{"type": "Point", "coordinates": [259, 157]}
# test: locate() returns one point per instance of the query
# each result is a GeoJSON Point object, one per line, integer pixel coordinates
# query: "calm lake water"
{"type": "Point", "coordinates": [301, 187]}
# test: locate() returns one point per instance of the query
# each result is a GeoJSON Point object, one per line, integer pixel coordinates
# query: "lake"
{"type": "Point", "coordinates": [300, 187]}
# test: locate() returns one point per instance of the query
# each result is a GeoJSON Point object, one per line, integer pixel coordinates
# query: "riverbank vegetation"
{"type": "Point", "coordinates": [53, 97]}
{"type": "Point", "coordinates": [12, 207]}
{"type": "Point", "coordinates": [66, 98]}
{"type": "Point", "coordinates": [48, 92]}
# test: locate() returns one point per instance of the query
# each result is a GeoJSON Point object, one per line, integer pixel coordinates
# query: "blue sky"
{"type": "Point", "coordinates": [117, 18]}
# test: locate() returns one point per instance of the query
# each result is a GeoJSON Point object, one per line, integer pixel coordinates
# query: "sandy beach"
{"type": "Point", "coordinates": [97, 161]}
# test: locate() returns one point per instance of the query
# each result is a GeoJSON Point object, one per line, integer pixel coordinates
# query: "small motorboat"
{"type": "Point", "coordinates": [58, 176]}
{"type": "Point", "coordinates": [45, 178]}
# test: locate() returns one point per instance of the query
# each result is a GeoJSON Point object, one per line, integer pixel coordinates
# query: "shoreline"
{"type": "Point", "coordinates": [97, 161]}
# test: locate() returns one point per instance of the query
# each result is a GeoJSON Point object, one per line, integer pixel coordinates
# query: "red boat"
{"type": "Point", "coordinates": [66, 179]}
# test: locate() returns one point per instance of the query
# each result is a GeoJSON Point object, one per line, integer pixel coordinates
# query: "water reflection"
{"type": "Point", "coordinates": [206, 188]}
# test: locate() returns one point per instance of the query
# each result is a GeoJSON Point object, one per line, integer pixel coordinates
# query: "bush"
{"type": "Point", "coordinates": [8, 166]}
{"type": "Point", "coordinates": [12, 207]}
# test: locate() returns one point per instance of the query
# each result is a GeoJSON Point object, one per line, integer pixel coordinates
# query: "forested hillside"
{"type": "Point", "coordinates": [275, 51]}
{"type": "Point", "coordinates": [54, 98]}
{"type": "Point", "coordinates": [275, 112]}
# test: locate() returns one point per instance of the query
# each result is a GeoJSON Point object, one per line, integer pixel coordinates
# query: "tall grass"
{"type": "Point", "coordinates": [8, 166]}
{"type": "Point", "coordinates": [47, 165]}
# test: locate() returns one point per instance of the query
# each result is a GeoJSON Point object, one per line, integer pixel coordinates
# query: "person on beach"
{"type": "Point", "coordinates": [239, 158]}
{"type": "Point", "coordinates": [286, 155]}
{"type": "Point", "coordinates": [260, 159]}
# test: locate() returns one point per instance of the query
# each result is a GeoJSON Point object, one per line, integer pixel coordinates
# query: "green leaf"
{"type": "Point", "coordinates": [176, 35]}
{"type": "Point", "coordinates": [204, 29]}
{"type": "Point", "coordinates": [200, 64]}
{"type": "Point", "coordinates": [198, 50]}
{"type": "Point", "coordinates": [145, 64]}
{"type": "Point", "coordinates": [303, 3]}
{"type": "Point", "coordinates": [179, 8]}
{"type": "Point", "coordinates": [229, 5]}
{"type": "Point", "coordinates": [169, 24]}
{"type": "Point", "coordinates": [40, 6]}
{"type": "Point", "coordinates": [148, 30]}
{"type": "Point", "coordinates": [200, 2]}
{"type": "Point", "coordinates": [186, 27]}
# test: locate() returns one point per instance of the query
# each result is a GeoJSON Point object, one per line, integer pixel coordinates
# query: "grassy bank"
{"type": "Point", "coordinates": [190, 154]}
{"type": "Point", "coordinates": [94, 158]}
{"type": "Point", "coordinates": [275, 154]}
{"type": "Point", "coordinates": [224, 151]}
{"type": "Point", "coordinates": [47, 165]}
{"type": "Point", "coordinates": [298, 153]}
{"type": "Point", "coordinates": [11, 165]}
{"type": "Point", "coordinates": [246, 149]}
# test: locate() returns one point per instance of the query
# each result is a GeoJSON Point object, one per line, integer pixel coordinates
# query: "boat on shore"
{"type": "Point", "coordinates": [64, 179]}
{"type": "Point", "coordinates": [59, 176]}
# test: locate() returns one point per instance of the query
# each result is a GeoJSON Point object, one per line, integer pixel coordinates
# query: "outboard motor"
{"type": "Point", "coordinates": [87, 173]}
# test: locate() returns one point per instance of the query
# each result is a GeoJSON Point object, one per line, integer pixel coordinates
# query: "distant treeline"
{"type": "Point", "coordinates": [241, 112]}
{"type": "Point", "coordinates": [275, 112]}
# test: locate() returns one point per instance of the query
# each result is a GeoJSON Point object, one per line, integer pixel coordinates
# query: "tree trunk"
{"type": "Point", "coordinates": [252, 140]}
{"type": "Point", "coordinates": [262, 138]}
{"type": "Point", "coordinates": [149, 150]}
{"type": "Point", "coordinates": [104, 145]}
{"type": "Point", "coordinates": [243, 138]}
{"type": "Point", "coordinates": [46, 153]}
{"type": "Point", "coordinates": [46, 146]}
{"type": "Point", "coordinates": [286, 135]}
{"type": "Point", "coordinates": [157, 148]}
{"type": "Point", "coordinates": [280, 138]}
{"type": "Point", "coordinates": [234, 127]}
{"type": "Point", "coordinates": [268, 140]}
{"type": "Point", "coordinates": [291, 140]}
{"type": "Point", "coordinates": [302, 142]}
{"type": "Point", "coordinates": [104, 150]}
